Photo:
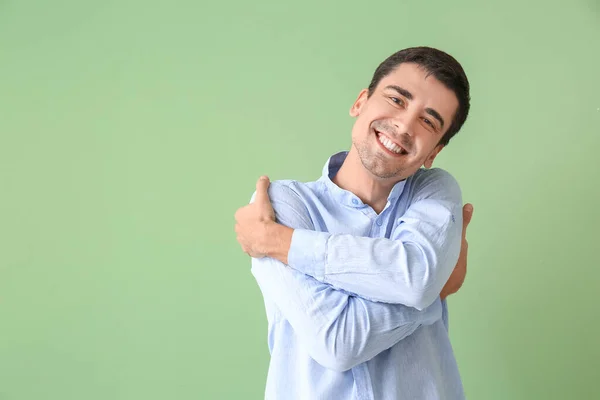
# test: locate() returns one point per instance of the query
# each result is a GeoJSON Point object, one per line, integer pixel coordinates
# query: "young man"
{"type": "Point", "coordinates": [353, 267]}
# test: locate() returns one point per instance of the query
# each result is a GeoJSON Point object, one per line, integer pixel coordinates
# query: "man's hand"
{"type": "Point", "coordinates": [252, 221]}
{"type": "Point", "coordinates": [257, 232]}
{"type": "Point", "coordinates": [460, 271]}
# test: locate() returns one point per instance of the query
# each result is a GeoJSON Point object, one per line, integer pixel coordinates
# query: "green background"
{"type": "Point", "coordinates": [130, 132]}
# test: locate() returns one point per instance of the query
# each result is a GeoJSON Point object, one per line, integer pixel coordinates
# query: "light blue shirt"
{"type": "Point", "coordinates": [357, 314]}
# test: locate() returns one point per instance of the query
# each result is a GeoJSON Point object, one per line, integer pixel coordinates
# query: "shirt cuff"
{"type": "Point", "coordinates": [308, 252]}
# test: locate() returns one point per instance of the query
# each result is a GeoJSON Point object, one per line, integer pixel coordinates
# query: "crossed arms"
{"type": "Point", "coordinates": [349, 298]}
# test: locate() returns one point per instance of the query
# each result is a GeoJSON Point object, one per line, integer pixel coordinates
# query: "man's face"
{"type": "Point", "coordinates": [399, 127]}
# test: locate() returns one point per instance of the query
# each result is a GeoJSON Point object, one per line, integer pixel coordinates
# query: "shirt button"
{"type": "Point", "coordinates": [378, 222]}
{"type": "Point", "coordinates": [354, 201]}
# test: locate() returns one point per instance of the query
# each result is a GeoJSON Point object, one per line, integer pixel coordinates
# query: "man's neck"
{"type": "Point", "coordinates": [353, 177]}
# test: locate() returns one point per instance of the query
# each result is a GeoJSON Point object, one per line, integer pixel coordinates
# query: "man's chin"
{"type": "Point", "coordinates": [383, 173]}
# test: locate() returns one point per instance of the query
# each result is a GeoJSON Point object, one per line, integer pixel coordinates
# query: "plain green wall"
{"type": "Point", "coordinates": [130, 131]}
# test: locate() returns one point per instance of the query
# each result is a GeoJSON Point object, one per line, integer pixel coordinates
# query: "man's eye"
{"type": "Point", "coordinates": [397, 100]}
{"type": "Point", "coordinates": [428, 122]}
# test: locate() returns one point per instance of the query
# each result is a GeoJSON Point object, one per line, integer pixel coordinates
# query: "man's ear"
{"type": "Point", "coordinates": [429, 160]}
{"type": "Point", "coordinates": [359, 103]}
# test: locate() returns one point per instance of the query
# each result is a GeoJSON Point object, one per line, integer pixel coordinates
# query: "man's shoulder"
{"type": "Point", "coordinates": [433, 175]}
{"type": "Point", "coordinates": [289, 189]}
{"type": "Point", "coordinates": [434, 180]}
{"type": "Point", "coordinates": [293, 201]}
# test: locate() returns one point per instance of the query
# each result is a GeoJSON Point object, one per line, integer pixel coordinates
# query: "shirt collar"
{"type": "Point", "coordinates": [331, 168]}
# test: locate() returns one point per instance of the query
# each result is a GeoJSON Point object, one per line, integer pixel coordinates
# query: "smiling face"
{"type": "Point", "coordinates": [398, 127]}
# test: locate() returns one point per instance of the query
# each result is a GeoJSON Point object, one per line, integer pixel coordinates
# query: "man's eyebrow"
{"type": "Point", "coordinates": [435, 115]}
{"type": "Point", "coordinates": [401, 91]}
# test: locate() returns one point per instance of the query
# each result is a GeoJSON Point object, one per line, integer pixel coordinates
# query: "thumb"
{"type": "Point", "coordinates": [467, 215]}
{"type": "Point", "coordinates": [262, 186]}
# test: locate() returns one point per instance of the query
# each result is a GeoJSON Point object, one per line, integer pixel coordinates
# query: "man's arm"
{"type": "Point", "coordinates": [338, 330]}
{"type": "Point", "coordinates": [459, 272]}
{"type": "Point", "coordinates": [410, 268]}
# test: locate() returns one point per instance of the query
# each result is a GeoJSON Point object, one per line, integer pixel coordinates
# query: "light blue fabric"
{"type": "Point", "coordinates": [356, 314]}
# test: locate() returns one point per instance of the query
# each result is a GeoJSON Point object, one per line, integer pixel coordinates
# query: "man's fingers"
{"type": "Point", "coordinates": [467, 215]}
{"type": "Point", "coordinates": [262, 186]}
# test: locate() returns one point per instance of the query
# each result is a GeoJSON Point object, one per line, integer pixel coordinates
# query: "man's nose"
{"type": "Point", "coordinates": [405, 123]}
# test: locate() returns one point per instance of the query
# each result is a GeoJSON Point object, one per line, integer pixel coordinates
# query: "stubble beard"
{"type": "Point", "coordinates": [375, 162]}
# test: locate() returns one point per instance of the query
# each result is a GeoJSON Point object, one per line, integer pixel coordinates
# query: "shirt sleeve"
{"type": "Point", "coordinates": [411, 267]}
{"type": "Point", "coordinates": [338, 329]}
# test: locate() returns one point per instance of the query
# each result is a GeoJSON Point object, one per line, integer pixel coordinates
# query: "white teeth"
{"type": "Point", "coordinates": [389, 144]}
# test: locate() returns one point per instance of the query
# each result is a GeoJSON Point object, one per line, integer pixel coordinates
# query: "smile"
{"type": "Point", "coordinates": [389, 145]}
